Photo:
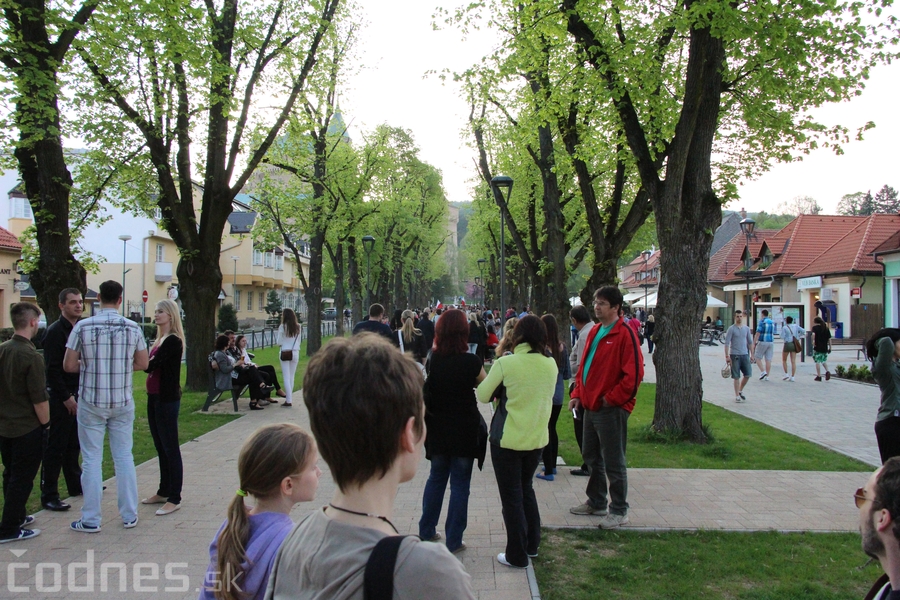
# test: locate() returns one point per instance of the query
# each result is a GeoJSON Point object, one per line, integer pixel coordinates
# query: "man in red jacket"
{"type": "Point", "coordinates": [606, 386]}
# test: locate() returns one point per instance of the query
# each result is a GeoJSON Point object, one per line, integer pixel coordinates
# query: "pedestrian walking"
{"type": "Point", "coordinates": [738, 349]}
{"type": "Point", "coordinates": [62, 451]}
{"type": "Point", "coordinates": [764, 342]}
{"type": "Point", "coordinates": [106, 348]}
{"type": "Point", "coordinates": [649, 328]}
{"type": "Point", "coordinates": [289, 340]}
{"type": "Point", "coordinates": [791, 334]}
{"type": "Point", "coordinates": [821, 348]}
{"type": "Point", "coordinates": [24, 419]}
{"type": "Point", "coordinates": [164, 404]}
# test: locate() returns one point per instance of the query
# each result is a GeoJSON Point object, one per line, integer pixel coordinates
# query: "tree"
{"type": "Point", "coordinates": [273, 304]}
{"type": "Point", "coordinates": [886, 201]}
{"type": "Point", "coordinates": [33, 62]}
{"type": "Point", "coordinates": [734, 78]}
{"type": "Point", "coordinates": [227, 318]}
{"type": "Point", "coordinates": [801, 205]}
{"type": "Point", "coordinates": [167, 79]}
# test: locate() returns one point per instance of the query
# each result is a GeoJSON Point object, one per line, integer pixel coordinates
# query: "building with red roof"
{"type": "Point", "coordinates": [887, 256]}
{"type": "Point", "coordinates": [10, 252]}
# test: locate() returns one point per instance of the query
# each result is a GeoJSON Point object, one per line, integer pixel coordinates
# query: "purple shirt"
{"type": "Point", "coordinates": [267, 532]}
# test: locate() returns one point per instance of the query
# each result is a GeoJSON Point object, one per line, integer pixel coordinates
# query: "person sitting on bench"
{"type": "Point", "coordinates": [226, 376]}
{"type": "Point", "coordinates": [267, 371]}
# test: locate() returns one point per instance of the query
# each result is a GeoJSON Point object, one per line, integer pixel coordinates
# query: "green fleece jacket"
{"type": "Point", "coordinates": [887, 374]}
{"type": "Point", "coordinates": [520, 422]}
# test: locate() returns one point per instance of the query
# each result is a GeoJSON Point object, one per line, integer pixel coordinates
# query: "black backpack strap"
{"type": "Point", "coordinates": [378, 582]}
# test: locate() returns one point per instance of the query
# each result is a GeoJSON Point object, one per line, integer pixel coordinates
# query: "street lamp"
{"type": "Point", "coordinates": [124, 239]}
{"type": "Point", "coordinates": [747, 227]}
{"type": "Point", "coordinates": [368, 245]}
{"type": "Point", "coordinates": [234, 284]}
{"type": "Point", "coordinates": [646, 254]}
{"type": "Point", "coordinates": [502, 182]}
{"type": "Point", "coordinates": [477, 285]}
{"type": "Point", "coordinates": [481, 262]}
{"type": "Point", "coordinates": [417, 287]}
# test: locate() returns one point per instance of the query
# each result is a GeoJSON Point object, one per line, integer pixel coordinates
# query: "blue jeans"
{"type": "Point", "coordinates": [93, 423]}
{"type": "Point", "coordinates": [459, 471]}
{"type": "Point", "coordinates": [163, 420]}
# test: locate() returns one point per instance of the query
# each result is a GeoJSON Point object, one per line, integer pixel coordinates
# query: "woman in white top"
{"type": "Point", "coordinates": [289, 340]}
{"type": "Point", "coordinates": [789, 333]}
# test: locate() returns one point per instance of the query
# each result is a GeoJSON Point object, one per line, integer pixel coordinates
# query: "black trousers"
{"type": "Point", "coordinates": [21, 458]}
{"type": "Point", "coordinates": [163, 420]}
{"type": "Point", "coordinates": [252, 378]}
{"type": "Point", "coordinates": [551, 450]}
{"type": "Point", "coordinates": [887, 432]}
{"type": "Point", "coordinates": [578, 422]}
{"type": "Point", "coordinates": [61, 454]}
{"type": "Point", "coordinates": [268, 373]}
{"type": "Point", "coordinates": [514, 470]}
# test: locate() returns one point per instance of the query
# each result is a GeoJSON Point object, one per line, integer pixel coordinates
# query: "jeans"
{"type": "Point", "coordinates": [459, 471]}
{"type": "Point", "coordinates": [514, 470]}
{"type": "Point", "coordinates": [552, 448]}
{"type": "Point", "coordinates": [288, 370]}
{"type": "Point", "coordinates": [605, 437]}
{"type": "Point", "coordinates": [163, 420]}
{"type": "Point", "coordinates": [93, 423]}
{"type": "Point", "coordinates": [61, 454]}
{"type": "Point", "coordinates": [21, 458]}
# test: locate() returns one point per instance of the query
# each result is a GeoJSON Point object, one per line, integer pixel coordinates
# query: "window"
{"type": "Point", "coordinates": [257, 257]}
{"type": "Point", "coordinates": [262, 306]}
{"type": "Point", "coordinates": [270, 260]}
{"type": "Point", "coordinates": [279, 262]}
{"type": "Point", "coordinates": [249, 300]}
{"type": "Point", "coordinates": [20, 209]}
{"type": "Point", "coordinates": [237, 300]}
{"type": "Point", "coordinates": [157, 214]}
{"type": "Point", "coordinates": [159, 253]}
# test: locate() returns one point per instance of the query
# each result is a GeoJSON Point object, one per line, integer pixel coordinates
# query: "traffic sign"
{"type": "Point", "coordinates": [145, 296]}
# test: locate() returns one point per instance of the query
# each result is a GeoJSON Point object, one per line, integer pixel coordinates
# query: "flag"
{"type": "Point", "coordinates": [440, 305]}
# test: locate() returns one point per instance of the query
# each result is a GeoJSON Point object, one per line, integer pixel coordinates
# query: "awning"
{"type": "Point", "coordinates": [754, 285]}
{"type": "Point", "coordinates": [710, 302]}
{"type": "Point", "coordinates": [632, 296]}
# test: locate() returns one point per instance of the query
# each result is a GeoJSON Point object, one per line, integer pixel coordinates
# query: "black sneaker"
{"type": "Point", "coordinates": [580, 473]}
{"type": "Point", "coordinates": [24, 534]}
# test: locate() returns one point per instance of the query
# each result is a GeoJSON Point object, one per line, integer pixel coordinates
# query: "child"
{"type": "Point", "coordinates": [277, 466]}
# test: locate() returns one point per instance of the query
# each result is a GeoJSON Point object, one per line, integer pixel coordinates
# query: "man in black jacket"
{"type": "Point", "coordinates": [62, 448]}
{"type": "Point", "coordinates": [427, 328]}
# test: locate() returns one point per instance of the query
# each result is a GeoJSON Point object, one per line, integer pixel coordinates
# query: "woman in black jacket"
{"type": "Point", "coordinates": [164, 403]}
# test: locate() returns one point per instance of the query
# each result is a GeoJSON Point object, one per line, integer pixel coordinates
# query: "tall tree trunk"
{"type": "Point", "coordinates": [198, 291]}
{"type": "Point", "coordinates": [339, 301]}
{"type": "Point", "coordinates": [356, 293]}
{"type": "Point", "coordinates": [313, 295]}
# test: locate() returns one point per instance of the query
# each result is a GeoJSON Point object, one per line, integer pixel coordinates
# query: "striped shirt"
{"type": "Point", "coordinates": [766, 329]}
{"type": "Point", "coordinates": [107, 343]}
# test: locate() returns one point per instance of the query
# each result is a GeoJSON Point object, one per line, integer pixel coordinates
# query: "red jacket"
{"type": "Point", "coordinates": [616, 371]}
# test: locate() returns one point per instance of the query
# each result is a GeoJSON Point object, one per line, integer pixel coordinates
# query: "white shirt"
{"type": "Point", "coordinates": [289, 343]}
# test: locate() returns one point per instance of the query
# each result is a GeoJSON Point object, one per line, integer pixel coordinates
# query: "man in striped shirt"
{"type": "Point", "coordinates": [106, 348]}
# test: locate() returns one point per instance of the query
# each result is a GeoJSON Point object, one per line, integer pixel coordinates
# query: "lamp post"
{"type": "Point", "coordinates": [368, 245]}
{"type": "Point", "coordinates": [416, 288]}
{"type": "Point", "coordinates": [498, 183]}
{"type": "Point", "coordinates": [234, 284]}
{"type": "Point", "coordinates": [478, 284]}
{"type": "Point", "coordinates": [646, 254]}
{"type": "Point", "coordinates": [747, 227]}
{"type": "Point", "coordinates": [124, 239]}
{"type": "Point", "coordinates": [481, 262]}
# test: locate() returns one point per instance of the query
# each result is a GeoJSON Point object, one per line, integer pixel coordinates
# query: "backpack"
{"type": "Point", "coordinates": [378, 581]}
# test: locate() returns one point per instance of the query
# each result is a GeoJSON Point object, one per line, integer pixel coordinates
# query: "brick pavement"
{"type": "Point", "coordinates": [660, 499]}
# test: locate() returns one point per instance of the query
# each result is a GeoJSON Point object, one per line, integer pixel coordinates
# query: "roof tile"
{"type": "Point", "coordinates": [8, 241]}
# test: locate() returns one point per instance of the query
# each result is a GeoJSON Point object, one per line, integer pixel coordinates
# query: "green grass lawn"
{"type": "Point", "coordinates": [738, 443]}
{"type": "Point", "coordinates": [191, 422]}
{"type": "Point", "coordinates": [704, 565]}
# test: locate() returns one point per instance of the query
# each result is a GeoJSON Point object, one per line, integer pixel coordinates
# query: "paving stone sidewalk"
{"type": "Point", "coordinates": [171, 552]}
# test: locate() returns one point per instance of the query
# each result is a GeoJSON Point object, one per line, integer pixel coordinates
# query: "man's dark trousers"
{"type": "Point", "coordinates": [61, 454]}
{"type": "Point", "coordinates": [21, 458]}
{"type": "Point", "coordinates": [605, 438]}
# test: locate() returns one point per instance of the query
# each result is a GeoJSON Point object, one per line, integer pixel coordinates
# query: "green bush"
{"type": "Point", "coordinates": [864, 374]}
{"type": "Point", "coordinates": [227, 318]}
{"type": "Point", "coordinates": [853, 372]}
{"type": "Point", "coordinates": [840, 371]}
{"type": "Point", "coordinates": [149, 331]}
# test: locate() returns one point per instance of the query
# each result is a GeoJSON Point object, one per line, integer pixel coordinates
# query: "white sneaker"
{"type": "Point", "coordinates": [738, 399]}
{"type": "Point", "coordinates": [743, 397]}
{"type": "Point", "coordinates": [765, 377]}
{"type": "Point", "coordinates": [786, 377]}
{"type": "Point", "coordinates": [792, 379]}
{"type": "Point", "coordinates": [612, 521]}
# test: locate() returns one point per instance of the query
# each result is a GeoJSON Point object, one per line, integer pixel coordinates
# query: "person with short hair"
{"type": "Point", "coordinates": [883, 349]}
{"type": "Point", "coordinates": [821, 348]}
{"type": "Point", "coordinates": [24, 417]}
{"type": "Point", "coordinates": [106, 348]}
{"type": "Point", "coordinates": [764, 342]}
{"type": "Point", "coordinates": [361, 389]}
{"type": "Point", "coordinates": [62, 450]}
{"type": "Point", "coordinates": [879, 508]}
{"type": "Point", "coordinates": [518, 433]}
{"type": "Point", "coordinates": [606, 385]}
{"type": "Point", "coordinates": [738, 349]}
{"type": "Point", "coordinates": [373, 323]}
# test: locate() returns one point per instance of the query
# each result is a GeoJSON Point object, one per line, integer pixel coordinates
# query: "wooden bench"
{"type": "Point", "coordinates": [214, 394]}
{"type": "Point", "coordinates": [858, 342]}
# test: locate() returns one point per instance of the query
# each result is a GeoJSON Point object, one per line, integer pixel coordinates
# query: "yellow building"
{"type": "Point", "coordinates": [10, 252]}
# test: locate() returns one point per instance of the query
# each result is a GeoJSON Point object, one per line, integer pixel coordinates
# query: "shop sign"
{"type": "Point", "coordinates": [856, 292]}
{"type": "Point", "coordinates": [806, 283]}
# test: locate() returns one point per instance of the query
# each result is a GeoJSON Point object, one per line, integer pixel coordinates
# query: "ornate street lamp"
{"type": "Point", "coordinates": [481, 262]}
{"type": "Point", "coordinates": [748, 225]}
{"type": "Point", "coordinates": [646, 254]}
{"type": "Point", "coordinates": [498, 183]}
{"type": "Point", "coordinates": [234, 284]}
{"type": "Point", "coordinates": [124, 239]}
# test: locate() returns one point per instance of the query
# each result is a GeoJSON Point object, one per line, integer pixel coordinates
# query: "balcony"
{"type": "Point", "coordinates": [163, 271]}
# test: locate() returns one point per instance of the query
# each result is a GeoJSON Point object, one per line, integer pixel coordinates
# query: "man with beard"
{"type": "Point", "coordinates": [878, 503]}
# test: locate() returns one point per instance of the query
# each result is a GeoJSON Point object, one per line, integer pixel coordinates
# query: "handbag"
{"type": "Point", "coordinates": [288, 355]}
{"type": "Point", "coordinates": [798, 347]}
{"type": "Point", "coordinates": [726, 371]}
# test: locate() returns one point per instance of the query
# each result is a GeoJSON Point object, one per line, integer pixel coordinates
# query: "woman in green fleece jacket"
{"type": "Point", "coordinates": [524, 382]}
{"type": "Point", "coordinates": [883, 350]}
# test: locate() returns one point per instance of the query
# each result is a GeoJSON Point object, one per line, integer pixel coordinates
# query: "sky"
{"type": "Point", "coordinates": [398, 46]}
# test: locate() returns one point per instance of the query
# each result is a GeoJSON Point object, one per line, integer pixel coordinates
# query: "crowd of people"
{"type": "Point", "coordinates": [424, 396]}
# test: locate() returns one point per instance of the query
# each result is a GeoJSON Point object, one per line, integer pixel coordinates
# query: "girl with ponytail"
{"type": "Point", "coordinates": [277, 466]}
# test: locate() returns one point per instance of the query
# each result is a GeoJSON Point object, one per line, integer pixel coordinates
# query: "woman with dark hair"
{"type": "Point", "coordinates": [557, 351]}
{"type": "Point", "coordinates": [454, 425]}
{"type": "Point", "coordinates": [396, 323]}
{"type": "Point", "coordinates": [266, 371]}
{"type": "Point", "coordinates": [883, 350]}
{"type": "Point", "coordinates": [289, 339]}
{"type": "Point", "coordinates": [523, 382]}
{"type": "Point", "coordinates": [226, 368]}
